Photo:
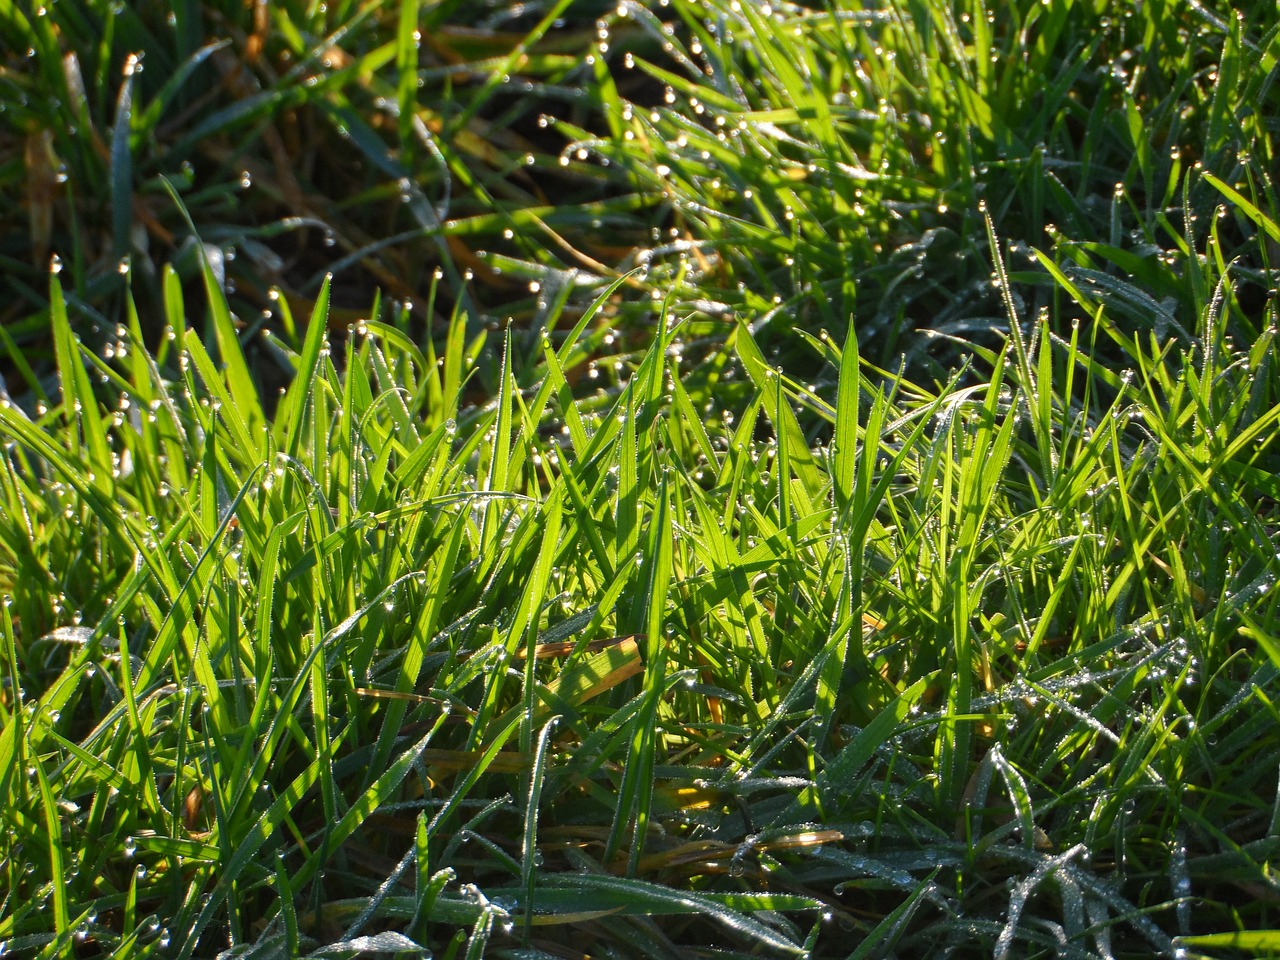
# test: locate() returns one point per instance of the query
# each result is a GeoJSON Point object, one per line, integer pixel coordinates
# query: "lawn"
{"type": "Point", "coordinates": [690, 478]}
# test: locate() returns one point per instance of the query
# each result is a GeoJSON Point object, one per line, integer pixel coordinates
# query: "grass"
{"type": "Point", "coordinates": [646, 605]}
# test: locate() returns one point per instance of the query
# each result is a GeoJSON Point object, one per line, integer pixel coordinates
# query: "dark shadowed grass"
{"type": "Point", "coordinates": [796, 165]}
{"type": "Point", "coordinates": [397, 147]}
{"type": "Point", "coordinates": [650, 626]}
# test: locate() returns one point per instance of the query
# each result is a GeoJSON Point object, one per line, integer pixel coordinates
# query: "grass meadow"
{"type": "Point", "coordinates": [673, 479]}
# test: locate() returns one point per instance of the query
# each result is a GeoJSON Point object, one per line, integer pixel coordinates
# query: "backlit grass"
{"type": "Point", "coordinates": [680, 615]}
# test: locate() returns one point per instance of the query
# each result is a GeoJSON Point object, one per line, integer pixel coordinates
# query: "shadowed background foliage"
{"type": "Point", "coordinates": [407, 147]}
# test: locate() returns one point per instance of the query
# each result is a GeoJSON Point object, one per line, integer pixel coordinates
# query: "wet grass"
{"type": "Point", "coordinates": [599, 588]}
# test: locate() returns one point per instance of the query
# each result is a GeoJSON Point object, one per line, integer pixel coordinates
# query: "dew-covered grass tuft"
{"type": "Point", "coordinates": [640, 480]}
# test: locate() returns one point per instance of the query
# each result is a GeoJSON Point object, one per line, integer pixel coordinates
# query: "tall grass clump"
{"type": "Point", "coordinates": [385, 672]}
{"type": "Point", "coordinates": [706, 605]}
